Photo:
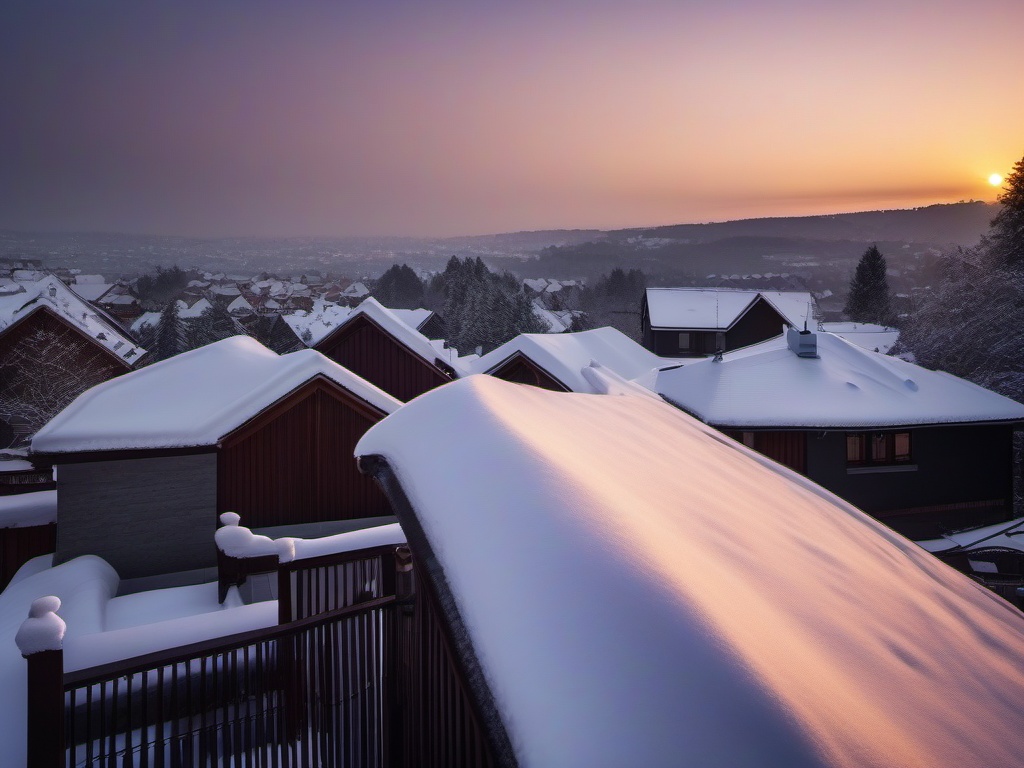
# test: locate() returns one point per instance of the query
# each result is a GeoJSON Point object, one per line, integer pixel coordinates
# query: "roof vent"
{"type": "Point", "coordinates": [803, 343]}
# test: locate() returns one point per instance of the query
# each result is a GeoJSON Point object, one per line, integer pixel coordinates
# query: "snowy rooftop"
{"type": "Point", "coordinates": [193, 399]}
{"type": "Point", "coordinates": [51, 293]}
{"type": "Point", "coordinates": [877, 338]}
{"type": "Point", "coordinates": [845, 386]}
{"type": "Point", "coordinates": [640, 591]}
{"type": "Point", "coordinates": [325, 317]}
{"type": "Point", "coordinates": [565, 355]}
{"type": "Point", "coordinates": [391, 323]}
{"type": "Point", "coordinates": [720, 308]}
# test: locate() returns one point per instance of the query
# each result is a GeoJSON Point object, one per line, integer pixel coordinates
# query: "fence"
{"type": "Point", "coordinates": [359, 672]}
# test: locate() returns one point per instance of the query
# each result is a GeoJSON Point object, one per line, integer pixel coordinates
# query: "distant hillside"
{"type": "Point", "coordinates": [955, 223]}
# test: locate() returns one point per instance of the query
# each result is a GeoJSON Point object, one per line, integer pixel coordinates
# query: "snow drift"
{"type": "Point", "coordinates": [640, 590]}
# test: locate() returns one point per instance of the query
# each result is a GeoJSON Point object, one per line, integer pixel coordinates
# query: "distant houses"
{"type": "Point", "coordinates": [921, 450]}
{"type": "Point", "coordinates": [232, 426]}
{"type": "Point", "coordinates": [678, 322]}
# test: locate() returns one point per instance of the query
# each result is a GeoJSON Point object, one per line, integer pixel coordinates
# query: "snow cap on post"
{"type": "Point", "coordinates": [43, 630]}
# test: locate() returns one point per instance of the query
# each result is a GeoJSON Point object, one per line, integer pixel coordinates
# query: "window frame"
{"type": "Point", "coordinates": [878, 449]}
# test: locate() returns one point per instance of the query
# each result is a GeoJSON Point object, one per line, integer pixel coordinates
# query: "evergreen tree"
{"type": "Point", "coordinates": [170, 333]}
{"type": "Point", "coordinates": [399, 288]}
{"type": "Point", "coordinates": [1006, 235]}
{"type": "Point", "coordinates": [214, 324]}
{"type": "Point", "coordinates": [868, 301]}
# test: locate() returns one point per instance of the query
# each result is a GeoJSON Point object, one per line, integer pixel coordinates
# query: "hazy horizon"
{"type": "Point", "coordinates": [462, 118]}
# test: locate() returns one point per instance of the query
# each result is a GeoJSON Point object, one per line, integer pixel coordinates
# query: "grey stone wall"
{"type": "Point", "coordinates": [143, 516]}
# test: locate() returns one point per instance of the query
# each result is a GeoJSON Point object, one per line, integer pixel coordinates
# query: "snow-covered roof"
{"type": "Point", "coordinates": [192, 399]}
{"type": "Point", "coordinates": [878, 338]}
{"type": "Point", "coordinates": [550, 319]}
{"type": "Point", "coordinates": [326, 316]}
{"type": "Point", "coordinates": [845, 386]}
{"type": "Point", "coordinates": [91, 291]}
{"type": "Point", "coordinates": [189, 313]}
{"type": "Point", "coordinates": [53, 294]}
{"type": "Point", "coordinates": [392, 324]}
{"type": "Point", "coordinates": [640, 591]}
{"type": "Point", "coordinates": [565, 355]}
{"type": "Point", "coordinates": [240, 305]}
{"type": "Point", "coordinates": [23, 510]}
{"type": "Point", "coordinates": [720, 308]}
{"type": "Point", "coordinates": [356, 290]}
{"type": "Point", "coordinates": [146, 318]}
{"type": "Point", "coordinates": [1005, 534]}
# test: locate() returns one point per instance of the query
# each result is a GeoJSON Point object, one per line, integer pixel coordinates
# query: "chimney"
{"type": "Point", "coordinates": [803, 343]}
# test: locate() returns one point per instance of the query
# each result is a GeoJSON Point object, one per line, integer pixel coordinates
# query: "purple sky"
{"type": "Point", "coordinates": [248, 117]}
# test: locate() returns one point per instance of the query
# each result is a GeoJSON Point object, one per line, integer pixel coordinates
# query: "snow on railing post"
{"type": "Point", "coordinates": [40, 640]}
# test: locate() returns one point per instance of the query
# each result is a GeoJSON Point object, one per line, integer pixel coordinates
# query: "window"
{"type": "Point", "coordinates": [684, 342]}
{"type": "Point", "coordinates": [877, 449]}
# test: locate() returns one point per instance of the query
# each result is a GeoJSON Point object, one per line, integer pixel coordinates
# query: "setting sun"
{"type": "Point", "coordinates": [995, 179]}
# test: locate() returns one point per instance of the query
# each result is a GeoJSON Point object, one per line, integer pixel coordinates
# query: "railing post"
{"type": "Point", "coordinates": [40, 640]}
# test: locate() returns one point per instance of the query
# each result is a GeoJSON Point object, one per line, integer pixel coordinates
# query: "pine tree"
{"type": "Point", "coordinates": [1006, 234]}
{"type": "Point", "coordinates": [868, 301]}
{"type": "Point", "coordinates": [400, 288]}
{"type": "Point", "coordinates": [170, 333]}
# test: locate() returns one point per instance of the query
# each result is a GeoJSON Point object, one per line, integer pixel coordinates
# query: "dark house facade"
{"type": "Point", "coordinates": [45, 363]}
{"type": "Point", "coordinates": [921, 451]}
{"type": "Point", "coordinates": [685, 322]}
{"type": "Point", "coordinates": [375, 345]}
{"type": "Point", "coordinates": [285, 459]}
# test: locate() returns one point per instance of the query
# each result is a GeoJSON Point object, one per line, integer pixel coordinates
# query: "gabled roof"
{"type": "Point", "coordinates": [393, 325]}
{"type": "Point", "coordinates": [326, 316]}
{"type": "Point", "coordinates": [193, 399]}
{"type": "Point", "coordinates": [846, 386]}
{"type": "Point", "coordinates": [721, 308]}
{"type": "Point", "coordinates": [637, 590]}
{"type": "Point", "coordinates": [54, 295]}
{"type": "Point", "coordinates": [564, 355]}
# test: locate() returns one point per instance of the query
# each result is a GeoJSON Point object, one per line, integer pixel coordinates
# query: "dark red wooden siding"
{"type": "Point", "coordinates": [522, 370]}
{"type": "Point", "coordinates": [788, 448]}
{"type": "Point", "coordinates": [45, 362]}
{"type": "Point", "coordinates": [295, 464]}
{"type": "Point", "coordinates": [369, 351]}
{"type": "Point", "coordinates": [19, 545]}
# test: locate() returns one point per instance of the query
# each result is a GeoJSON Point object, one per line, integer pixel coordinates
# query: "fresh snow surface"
{"type": "Point", "coordinates": [565, 355]}
{"type": "Point", "coordinates": [325, 317]}
{"type": "Point", "coordinates": [364, 538]}
{"type": "Point", "coordinates": [236, 540]}
{"type": "Point", "coordinates": [192, 399]}
{"type": "Point", "coordinates": [640, 591]}
{"type": "Point", "coordinates": [719, 308]}
{"type": "Point", "coordinates": [43, 629]}
{"type": "Point", "coordinates": [101, 628]}
{"type": "Point", "coordinates": [846, 386]}
{"type": "Point", "coordinates": [24, 510]}
{"type": "Point", "coordinates": [71, 307]}
{"type": "Point", "coordinates": [877, 338]}
{"type": "Point", "coordinates": [1005, 534]}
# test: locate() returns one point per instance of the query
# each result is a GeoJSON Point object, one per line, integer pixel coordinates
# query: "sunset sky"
{"type": "Point", "coordinates": [251, 117]}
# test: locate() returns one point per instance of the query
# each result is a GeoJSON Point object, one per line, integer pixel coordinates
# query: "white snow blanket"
{"type": "Point", "coordinates": [565, 355]}
{"type": "Point", "coordinates": [721, 308]}
{"type": "Point", "coordinates": [193, 399]}
{"type": "Point", "coordinates": [643, 592]}
{"type": "Point", "coordinates": [24, 510]}
{"type": "Point", "coordinates": [845, 386]}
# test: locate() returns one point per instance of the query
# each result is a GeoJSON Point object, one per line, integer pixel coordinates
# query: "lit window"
{"type": "Point", "coordinates": [877, 449]}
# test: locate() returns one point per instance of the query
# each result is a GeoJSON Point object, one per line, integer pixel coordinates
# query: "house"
{"type": "Point", "coordinates": [557, 361]}
{"type": "Point", "coordinates": [921, 450]}
{"type": "Point", "coordinates": [679, 322]}
{"type": "Point", "coordinates": [53, 346]}
{"type": "Point", "coordinates": [624, 587]}
{"type": "Point", "coordinates": [373, 342]}
{"type": "Point", "coordinates": [231, 426]}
